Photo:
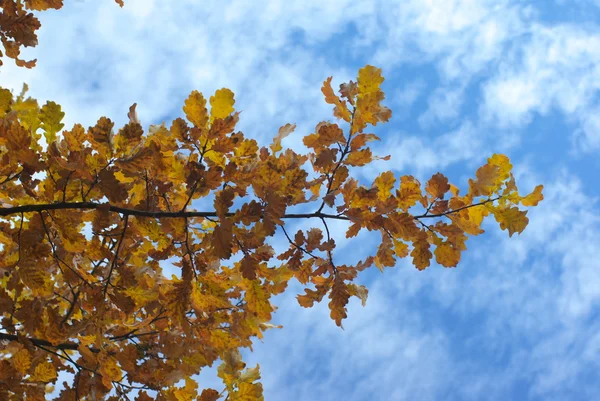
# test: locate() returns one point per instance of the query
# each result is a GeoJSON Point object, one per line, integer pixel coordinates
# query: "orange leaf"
{"type": "Point", "coordinates": [421, 254]}
{"type": "Point", "coordinates": [437, 186]}
{"type": "Point", "coordinates": [340, 110]}
{"type": "Point", "coordinates": [446, 255]}
{"type": "Point", "coordinates": [533, 198]}
{"type": "Point", "coordinates": [511, 219]}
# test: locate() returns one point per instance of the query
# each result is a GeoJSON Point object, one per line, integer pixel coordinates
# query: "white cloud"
{"type": "Point", "coordinates": [415, 154]}
{"type": "Point", "coordinates": [406, 97]}
{"type": "Point", "coordinates": [556, 68]}
{"type": "Point", "coordinates": [444, 106]}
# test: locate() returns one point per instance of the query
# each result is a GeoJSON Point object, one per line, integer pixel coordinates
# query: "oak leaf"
{"type": "Point", "coordinates": [437, 186]}
{"type": "Point", "coordinates": [195, 109]}
{"type": "Point", "coordinates": [511, 219]}
{"type": "Point", "coordinates": [533, 198]}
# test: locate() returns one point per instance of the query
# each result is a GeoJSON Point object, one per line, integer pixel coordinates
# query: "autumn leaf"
{"type": "Point", "coordinates": [369, 79]}
{"type": "Point", "coordinates": [339, 298]}
{"type": "Point", "coordinates": [384, 183]}
{"type": "Point", "coordinates": [446, 255]}
{"type": "Point", "coordinates": [41, 5]}
{"type": "Point", "coordinates": [409, 192]}
{"type": "Point", "coordinates": [51, 117]}
{"type": "Point", "coordinates": [437, 186]}
{"type": "Point", "coordinates": [359, 158]}
{"type": "Point", "coordinates": [283, 132]}
{"type": "Point", "coordinates": [340, 109]}
{"type": "Point", "coordinates": [21, 361]}
{"type": "Point", "coordinates": [132, 114]}
{"type": "Point", "coordinates": [511, 219]}
{"type": "Point", "coordinates": [110, 370]}
{"type": "Point", "coordinates": [209, 395]}
{"type": "Point", "coordinates": [44, 372]}
{"type": "Point", "coordinates": [421, 254]}
{"type": "Point", "coordinates": [195, 109]}
{"type": "Point", "coordinates": [248, 267]}
{"type": "Point", "coordinates": [486, 183]}
{"type": "Point", "coordinates": [221, 104]}
{"type": "Point", "coordinates": [533, 198]}
{"type": "Point", "coordinates": [385, 254]}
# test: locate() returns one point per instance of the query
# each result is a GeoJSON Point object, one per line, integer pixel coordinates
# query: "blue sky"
{"type": "Point", "coordinates": [519, 318]}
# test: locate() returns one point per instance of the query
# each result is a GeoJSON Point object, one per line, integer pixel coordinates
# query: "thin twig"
{"type": "Point", "coordinates": [116, 257]}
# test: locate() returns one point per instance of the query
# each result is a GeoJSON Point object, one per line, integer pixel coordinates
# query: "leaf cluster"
{"type": "Point", "coordinates": [89, 217]}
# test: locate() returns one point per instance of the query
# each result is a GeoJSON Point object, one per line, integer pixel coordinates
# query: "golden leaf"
{"type": "Point", "coordinates": [341, 109]}
{"type": "Point", "coordinates": [221, 104]}
{"type": "Point", "coordinates": [21, 361]}
{"type": "Point", "coordinates": [51, 117]}
{"type": "Point", "coordinates": [409, 192]}
{"type": "Point", "coordinates": [44, 372]}
{"type": "Point", "coordinates": [384, 183]}
{"type": "Point", "coordinates": [446, 255]}
{"type": "Point", "coordinates": [533, 198]}
{"type": "Point", "coordinates": [195, 109]}
{"type": "Point", "coordinates": [511, 219]}
{"type": "Point", "coordinates": [110, 370]}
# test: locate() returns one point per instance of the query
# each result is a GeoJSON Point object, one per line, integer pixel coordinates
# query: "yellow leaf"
{"type": "Point", "coordinates": [51, 117]}
{"type": "Point", "coordinates": [409, 192]}
{"type": "Point", "coordinates": [109, 370]}
{"type": "Point", "coordinates": [21, 361]}
{"type": "Point", "coordinates": [249, 392]}
{"type": "Point", "coordinates": [341, 109]}
{"type": "Point", "coordinates": [359, 158]}
{"type": "Point", "coordinates": [221, 104]}
{"type": "Point", "coordinates": [533, 198]}
{"type": "Point", "coordinates": [44, 372]}
{"type": "Point", "coordinates": [511, 219]}
{"type": "Point", "coordinates": [400, 248]}
{"type": "Point", "coordinates": [369, 80]}
{"type": "Point", "coordinates": [503, 164]}
{"type": "Point", "coordinates": [41, 5]}
{"type": "Point", "coordinates": [384, 183]}
{"type": "Point", "coordinates": [195, 109]}
{"type": "Point", "coordinates": [251, 374]}
{"type": "Point", "coordinates": [6, 100]}
{"type": "Point", "coordinates": [488, 180]}
{"type": "Point", "coordinates": [33, 277]}
{"type": "Point", "coordinates": [446, 255]}
{"type": "Point", "coordinates": [189, 392]}
{"type": "Point", "coordinates": [258, 300]}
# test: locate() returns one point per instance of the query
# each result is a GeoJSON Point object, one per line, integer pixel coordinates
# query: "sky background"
{"type": "Point", "coordinates": [519, 318]}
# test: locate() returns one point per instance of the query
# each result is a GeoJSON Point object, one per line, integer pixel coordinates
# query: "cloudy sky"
{"type": "Point", "coordinates": [519, 318]}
